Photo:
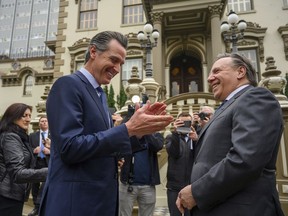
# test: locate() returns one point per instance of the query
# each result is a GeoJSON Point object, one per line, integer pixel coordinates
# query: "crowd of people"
{"type": "Point", "coordinates": [220, 162]}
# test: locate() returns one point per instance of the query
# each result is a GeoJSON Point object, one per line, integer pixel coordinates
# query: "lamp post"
{"type": "Point", "coordinates": [145, 41]}
{"type": "Point", "coordinates": [148, 40]}
{"type": "Point", "coordinates": [233, 30]}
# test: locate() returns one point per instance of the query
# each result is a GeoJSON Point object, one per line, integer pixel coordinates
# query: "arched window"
{"type": "Point", "coordinates": [28, 85]}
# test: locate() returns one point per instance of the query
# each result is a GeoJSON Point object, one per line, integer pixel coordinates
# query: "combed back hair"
{"type": "Point", "coordinates": [13, 113]}
{"type": "Point", "coordinates": [102, 39]}
{"type": "Point", "coordinates": [184, 114]}
{"type": "Point", "coordinates": [241, 61]}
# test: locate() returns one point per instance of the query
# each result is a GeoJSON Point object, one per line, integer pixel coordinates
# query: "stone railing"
{"type": "Point", "coordinates": [188, 102]}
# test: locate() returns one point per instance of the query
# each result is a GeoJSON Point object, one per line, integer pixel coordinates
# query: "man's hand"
{"type": "Point", "coordinates": [185, 199]}
{"type": "Point", "coordinates": [148, 119]}
{"type": "Point", "coordinates": [193, 134]}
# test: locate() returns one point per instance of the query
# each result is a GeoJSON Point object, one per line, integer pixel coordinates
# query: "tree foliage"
{"type": "Point", "coordinates": [121, 98]}
{"type": "Point", "coordinates": [110, 100]}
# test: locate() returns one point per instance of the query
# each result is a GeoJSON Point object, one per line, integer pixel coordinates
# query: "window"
{"type": "Point", "coordinates": [127, 68]}
{"type": "Point", "coordinates": [240, 5]}
{"type": "Point", "coordinates": [88, 14]}
{"type": "Point", "coordinates": [251, 54]}
{"type": "Point", "coordinates": [28, 84]}
{"type": "Point", "coordinates": [132, 11]}
{"type": "Point", "coordinates": [285, 3]}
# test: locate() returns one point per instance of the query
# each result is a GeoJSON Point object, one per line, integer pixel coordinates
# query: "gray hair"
{"type": "Point", "coordinates": [102, 39]}
{"type": "Point", "coordinates": [241, 61]}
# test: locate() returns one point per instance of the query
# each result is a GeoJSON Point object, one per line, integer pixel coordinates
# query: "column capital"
{"type": "Point", "coordinates": [156, 17]}
{"type": "Point", "coordinates": [215, 10]}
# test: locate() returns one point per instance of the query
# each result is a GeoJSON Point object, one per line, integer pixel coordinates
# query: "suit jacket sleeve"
{"type": "Point", "coordinates": [236, 147]}
{"type": "Point", "coordinates": [77, 126]}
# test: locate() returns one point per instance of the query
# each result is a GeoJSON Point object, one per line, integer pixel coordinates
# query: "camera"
{"type": "Point", "coordinates": [203, 115]}
{"type": "Point", "coordinates": [187, 124]}
{"type": "Point", "coordinates": [186, 128]}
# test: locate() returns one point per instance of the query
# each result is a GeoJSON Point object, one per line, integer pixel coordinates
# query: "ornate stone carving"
{"type": "Point", "coordinates": [215, 10]}
{"type": "Point", "coordinates": [41, 108]}
{"type": "Point", "coordinates": [16, 65]}
{"type": "Point", "coordinates": [133, 52]}
{"type": "Point", "coordinates": [283, 30]}
{"type": "Point", "coordinates": [273, 81]}
{"type": "Point", "coordinates": [156, 17]}
{"type": "Point", "coordinates": [78, 49]}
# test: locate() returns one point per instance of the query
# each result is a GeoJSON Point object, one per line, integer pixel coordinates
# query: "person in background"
{"type": "Point", "coordinates": [16, 160]}
{"type": "Point", "coordinates": [180, 148]}
{"type": "Point", "coordinates": [205, 114]}
{"type": "Point", "coordinates": [86, 148]}
{"type": "Point", "coordinates": [234, 170]}
{"type": "Point", "coordinates": [40, 143]}
{"type": "Point", "coordinates": [195, 122]}
{"type": "Point", "coordinates": [140, 175]}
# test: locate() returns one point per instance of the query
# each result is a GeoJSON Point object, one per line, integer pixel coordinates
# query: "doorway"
{"type": "Point", "coordinates": [185, 74]}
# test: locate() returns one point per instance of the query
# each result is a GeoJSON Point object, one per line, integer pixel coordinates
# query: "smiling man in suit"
{"type": "Point", "coordinates": [234, 168]}
{"type": "Point", "coordinates": [85, 149]}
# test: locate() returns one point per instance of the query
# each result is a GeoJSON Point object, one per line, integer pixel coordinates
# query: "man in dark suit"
{"type": "Point", "coordinates": [85, 149]}
{"type": "Point", "coordinates": [38, 141]}
{"type": "Point", "coordinates": [234, 169]}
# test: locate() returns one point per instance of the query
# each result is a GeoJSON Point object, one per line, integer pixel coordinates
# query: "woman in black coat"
{"type": "Point", "coordinates": [16, 160]}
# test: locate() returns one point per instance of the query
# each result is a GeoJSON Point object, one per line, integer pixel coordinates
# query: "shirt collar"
{"type": "Point", "coordinates": [90, 78]}
{"type": "Point", "coordinates": [236, 91]}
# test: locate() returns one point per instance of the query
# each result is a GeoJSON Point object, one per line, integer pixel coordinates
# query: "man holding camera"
{"type": "Point", "coordinates": [205, 114]}
{"type": "Point", "coordinates": [180, 148]}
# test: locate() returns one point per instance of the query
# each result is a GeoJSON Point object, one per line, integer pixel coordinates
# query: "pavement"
{"type": "Point", "coordinates": [159, 211]}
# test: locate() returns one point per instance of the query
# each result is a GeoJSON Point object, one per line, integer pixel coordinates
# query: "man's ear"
{"type": "Point", "coordinates": [241, 72]}
{"type": "Point", "coordinates": [93, 51]}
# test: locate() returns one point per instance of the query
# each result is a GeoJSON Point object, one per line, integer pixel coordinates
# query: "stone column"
{"type": "Point", "coordinates": [215, 12]}
{"type": "Point", "coordinates": [158, 58]}
{"type": "Point", "coordinates": [276, 83]}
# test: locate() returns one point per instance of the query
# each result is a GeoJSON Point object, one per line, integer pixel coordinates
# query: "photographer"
{"type": "Point", "coordinates": [140, 172]}
{"type": "Point", "coordinates": [180, 148]}
{"type": "Point", "coordinates": [205, 114]}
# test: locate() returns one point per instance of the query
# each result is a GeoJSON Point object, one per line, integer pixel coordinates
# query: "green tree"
{"type": "Point", "coordinates": [121, 98]}
{"type": "Point", "coordinates": [110, 100]}
{"type": "Point", "coordinates": [105, 89]}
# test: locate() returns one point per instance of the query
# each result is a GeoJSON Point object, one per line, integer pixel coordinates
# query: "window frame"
{"type": "Point", "coordinates": [133, 6]}
{"type": "Point", "coordinates": [85, 24]}
{"type": "Point", "coordinates": [28, 85]}
{"type": "Point", "coordinates": [231, 6]}
{"type": "Point", "coordinates": [254, 61]}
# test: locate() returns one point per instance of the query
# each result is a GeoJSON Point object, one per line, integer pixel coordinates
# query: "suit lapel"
{"type": "Point", "coordinates": [222, 110]}
{"type": "Point", "coordinates": [94, 96]}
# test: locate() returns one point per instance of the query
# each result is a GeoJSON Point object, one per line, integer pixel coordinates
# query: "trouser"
{"type": "Point", "coordinates": [145, 195]}
{"type": "Point", "coordinates": [10, 207]}
{"type": "Point", "coordinates": [171, 198]}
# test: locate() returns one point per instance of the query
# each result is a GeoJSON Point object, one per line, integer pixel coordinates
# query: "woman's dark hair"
{"type": "Point", "coordinates": [102, 39]}
{"type": "Point", "coordinates": [12, 114]}
{"type": "Point", "coordinates": [241, 61]}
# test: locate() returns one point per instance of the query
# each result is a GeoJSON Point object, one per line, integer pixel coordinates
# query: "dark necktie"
{"type": "Point", "coordinates": [104, 101]}
{"type": "Point", "coordinates": [221, 105]}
